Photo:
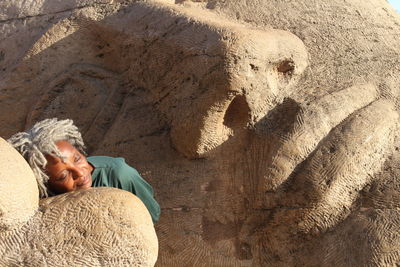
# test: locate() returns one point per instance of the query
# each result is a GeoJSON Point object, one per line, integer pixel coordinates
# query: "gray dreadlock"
{"type": "Point", "coordinates": [40, 141]}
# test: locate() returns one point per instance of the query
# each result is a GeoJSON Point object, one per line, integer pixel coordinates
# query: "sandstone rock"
{"type": "Point", "coordinates": [269, 129]}
{"type": "Point", "coordinates": [16, 179]}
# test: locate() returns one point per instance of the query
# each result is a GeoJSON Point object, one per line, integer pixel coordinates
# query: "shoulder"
{"type": "Point", "coordinates": [114, 165]}
{"type": "Point", "coordinates": [106, 162]}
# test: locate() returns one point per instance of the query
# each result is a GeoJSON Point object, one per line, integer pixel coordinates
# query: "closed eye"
{"type": "Point", "coordinates": [62, 177]}
{"type": "Point", "coordinates": [77, 158]}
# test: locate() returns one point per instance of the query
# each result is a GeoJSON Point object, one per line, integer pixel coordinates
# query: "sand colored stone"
{"type": "Point", "coordinates": [268, 129]}
{"type": "Point", "coordinates": [96, 227]}
{"type": "Point", "coordinates": [16, 179]}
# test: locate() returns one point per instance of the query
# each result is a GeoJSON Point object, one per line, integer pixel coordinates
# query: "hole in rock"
{"type": "Point", "coordinates": [286, 67]}
{"type": "Point", "coordinates": [238, 113]}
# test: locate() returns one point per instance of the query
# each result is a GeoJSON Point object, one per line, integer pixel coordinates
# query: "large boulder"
{"type": "Point", "coordinates": [268, 129]}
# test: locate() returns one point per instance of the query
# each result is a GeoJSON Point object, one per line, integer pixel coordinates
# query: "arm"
{"type": "Point", "coordinates": [127, 178]}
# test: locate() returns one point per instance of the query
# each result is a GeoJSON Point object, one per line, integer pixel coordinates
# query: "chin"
{"type": "Point", "coordinates": [86, 186]}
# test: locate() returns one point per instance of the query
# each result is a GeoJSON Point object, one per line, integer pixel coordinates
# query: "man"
{"type": "Point", "coordinates": [55, 151]}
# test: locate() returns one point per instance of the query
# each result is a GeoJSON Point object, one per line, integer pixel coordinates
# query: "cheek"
{"type": "Point", "coordinates": [70, 185]}
{"type": "Point", "coordinates": [67, 186]}
{"type": "Point", "coordinates": [87, 167]}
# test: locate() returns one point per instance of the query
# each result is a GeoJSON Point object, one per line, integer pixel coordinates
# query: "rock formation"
{"type": "Point", "coordinates": [268, 129]}
{"type": "Point", "coordinates": [96, 227]}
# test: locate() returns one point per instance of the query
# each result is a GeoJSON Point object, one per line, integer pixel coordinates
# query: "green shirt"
{"type": "Point", "coordinates": [114, 172]}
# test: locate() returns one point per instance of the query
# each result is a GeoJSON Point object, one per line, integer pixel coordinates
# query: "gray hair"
{"type": "Point", "coordinates": [40, 140]}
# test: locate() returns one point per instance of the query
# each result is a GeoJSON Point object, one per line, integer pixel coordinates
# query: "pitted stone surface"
{"type": "Point", "coordinates": [269, 129]}
{"type": "Point", "coordinates": [16, 178]}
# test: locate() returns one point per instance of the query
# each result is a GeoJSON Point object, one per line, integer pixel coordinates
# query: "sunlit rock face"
{"type": "Point", "coordinates": [268, 129]}
{"type": "Point", "coordinates": [95, 227]}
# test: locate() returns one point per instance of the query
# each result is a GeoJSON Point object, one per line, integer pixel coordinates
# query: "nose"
{"type": "Point", "coordinates": [77, 172]}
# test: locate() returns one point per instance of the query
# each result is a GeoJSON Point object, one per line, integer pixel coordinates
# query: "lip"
{"type": "Point", "coordinates": [85, 181]}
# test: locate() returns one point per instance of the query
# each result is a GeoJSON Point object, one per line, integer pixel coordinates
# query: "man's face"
{"type": "Point", "coordinates": [71, 174]}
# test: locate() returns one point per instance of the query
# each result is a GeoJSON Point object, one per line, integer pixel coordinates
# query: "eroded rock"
{"type": "Point", "coordinates": [269, 129]}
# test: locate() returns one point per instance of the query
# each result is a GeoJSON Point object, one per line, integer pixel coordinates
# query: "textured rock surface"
{"type": "Point", "coordinates": [95, 227]}
{"type": "Point", "coordinates": [16, 179]}
{"type": "Point", "coordinates": [269, 129]}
